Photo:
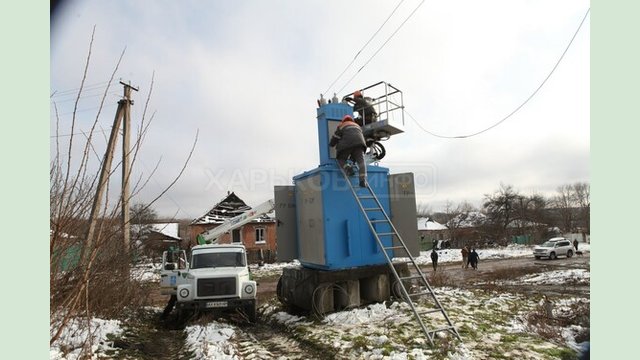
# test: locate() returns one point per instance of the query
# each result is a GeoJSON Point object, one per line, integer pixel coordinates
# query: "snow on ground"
{"type": "Point", "coordinates": [557, 277]}
{"type": "Point", "coordinates": [211, 341]}
{"type": "Point", "coordinates": [150, 272]}
{"type": "Point", "coordinates": [146, 272]}
{"type": "Point", "coordinates": [266, 270]}
{"type": "Point", "coordinates": [510, 251]}
{"type": "Point", "coordinates": [492, 324]}
{"type": "Point", "coordinates": [74, 336]}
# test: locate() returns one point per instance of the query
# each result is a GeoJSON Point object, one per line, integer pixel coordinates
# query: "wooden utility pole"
{"type": "Point", "coordinates": [123, 112]}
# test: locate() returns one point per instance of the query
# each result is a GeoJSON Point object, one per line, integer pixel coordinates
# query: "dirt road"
{"type": "Point", "coordinates": [147, 337]}
{"type": "Point", "coordinates": [489, 271]}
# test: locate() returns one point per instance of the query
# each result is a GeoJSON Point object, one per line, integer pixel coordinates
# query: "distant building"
{"type": "Point", "coordinates": [156, 237]}
{"type": "Point", "coordinates": [258, 236]}
{"type": "Point", "coordinates": [430, 231]}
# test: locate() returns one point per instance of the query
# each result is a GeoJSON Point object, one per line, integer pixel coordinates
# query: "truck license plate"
{"type": "Point", "coordinates": [216, 304]}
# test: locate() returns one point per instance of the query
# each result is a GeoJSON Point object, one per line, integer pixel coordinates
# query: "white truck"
{"type": "Point", "coordinates": [215, 276]}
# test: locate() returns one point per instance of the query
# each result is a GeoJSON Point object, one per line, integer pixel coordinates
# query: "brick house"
{"type": "Point", "coordinates": [258, 236]}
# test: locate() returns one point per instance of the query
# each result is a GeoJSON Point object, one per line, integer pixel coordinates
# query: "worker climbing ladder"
{"type": "Point", "coordinates": [371, 207]}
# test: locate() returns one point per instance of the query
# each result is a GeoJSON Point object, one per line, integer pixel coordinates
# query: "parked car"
{"type": "Point", "coordinates": [553, 248]}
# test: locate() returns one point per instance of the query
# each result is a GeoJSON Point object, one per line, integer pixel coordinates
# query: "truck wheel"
{"type": "Point", "coordinates": [279, 291]}
{"type": "Point", "coordinates": [569, 254]}
{"type": "Point", "coordinates": [250, 311]}
{"type": "Point", "coordinates": [552, 256]}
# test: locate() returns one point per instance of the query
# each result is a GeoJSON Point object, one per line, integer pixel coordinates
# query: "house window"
{"type": "Point", "coordinates": [235, 236]}
{"type": "Point", "coordinates": [260, 236]}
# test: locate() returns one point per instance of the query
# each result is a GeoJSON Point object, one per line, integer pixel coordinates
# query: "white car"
{"type": "Point", "coordinates": [553, 248]}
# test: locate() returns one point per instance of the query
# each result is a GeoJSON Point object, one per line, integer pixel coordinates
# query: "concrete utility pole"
{"type": "Point", "coordinates": [123, 112]}
{"type": "Point", "coordinates": [126, 166]}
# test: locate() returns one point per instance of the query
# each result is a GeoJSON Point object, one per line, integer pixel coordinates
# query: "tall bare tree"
{"type": "Point", "coordinates": [582, 193]}
{"type": "Point", "coordinates": [99, 286]}
{"type": "Point", "coordinates": [564, 203]}
{"type": "Point", "coordinates": [501, 210]}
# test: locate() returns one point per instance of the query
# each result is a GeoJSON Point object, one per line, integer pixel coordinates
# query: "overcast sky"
{"type": "Point", "coordinates": [246, 76]}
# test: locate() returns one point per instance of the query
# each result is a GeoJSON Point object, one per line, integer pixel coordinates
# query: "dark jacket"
{"type": "Point", "coordinates": [473, 257]}
{"type": "Point", "coordinates": [347, 135]}
{"type": "Point", "coordinates": [363, 106]}
{"type": "Point", "coordinates": [434, 256]}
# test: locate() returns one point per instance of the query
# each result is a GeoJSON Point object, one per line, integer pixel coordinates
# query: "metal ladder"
{"type": "Point", "coordinates": [365, 194]}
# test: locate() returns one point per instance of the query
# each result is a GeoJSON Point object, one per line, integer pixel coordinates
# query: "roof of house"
{"type": "Point", "coordinates": [428, 224]}
{"type": "Point", "coordinates": [227, 208]}
{"type": "Point", "coordinates": [170, 230]}
{"type": "Point", "coordinates": [469, 220]}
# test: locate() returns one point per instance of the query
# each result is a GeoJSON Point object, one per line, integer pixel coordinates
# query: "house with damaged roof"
{"type": "Point", "coordinates": [258, 236]}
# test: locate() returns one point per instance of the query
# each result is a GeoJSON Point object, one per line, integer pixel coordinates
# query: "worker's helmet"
{"type": "Point", "coordinates": [347, 118]}
{"type": "Point", "coordinates": [357, 93]}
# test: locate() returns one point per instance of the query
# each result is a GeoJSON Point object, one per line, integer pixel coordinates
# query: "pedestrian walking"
{"type": "Point", "coordinates": [575, 244]}
{"type": "Point", "coordinates": [473, 259]}
{"type": "Point", "coordinates": [465, 257]}
{"type": "Point", "coordinates": [434, 259]}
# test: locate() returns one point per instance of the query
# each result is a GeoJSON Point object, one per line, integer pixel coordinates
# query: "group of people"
{"type": "Point", "coordinates": [349, 139]}
{"type": "Point", "coordinates": [468, 258]}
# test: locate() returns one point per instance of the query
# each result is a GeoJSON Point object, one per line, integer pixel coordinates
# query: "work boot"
{"type": "Point", "coordinates": [349, 170]}
{"type": "Point", "coordinates": [363, 183]}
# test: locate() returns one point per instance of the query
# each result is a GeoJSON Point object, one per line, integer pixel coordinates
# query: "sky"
{"type": "Point", "coordinates": [245, 76]}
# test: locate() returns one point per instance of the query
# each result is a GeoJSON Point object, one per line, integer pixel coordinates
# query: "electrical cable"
{"type": "Point", "coordinates": [383, 45]}
{"type": "Point", "coordinates": [80, 133]}
{"type": "Point", "coordinates": [521, 105]}
{"type": "Point", "coordinates": [102, 84]}
{"type": "Point", "coordinates": [363, 47]}
{"type": "Point", "coordinates": [86, 96]}
{"type": "Point", "coordinates": [87, 109]}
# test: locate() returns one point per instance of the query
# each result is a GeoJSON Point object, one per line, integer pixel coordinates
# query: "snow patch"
{"type": "Point", "coordinates": [69, 346]}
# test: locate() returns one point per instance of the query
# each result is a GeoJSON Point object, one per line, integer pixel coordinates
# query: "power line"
{"type": "Point", "coordinates": [522, 104]}
{"type": "Point", "coordinates": [86, 96]}
{"type": "Point", "coordinates": [383, 45]}
{"type": "Point", "coordinates": [87, 109]}
{"type": "Point", "coordinates": [79, 133]}
{"type": "Point", "coordinates": [74, 90]}
{"type": "Point", "coordinates": [363, 47]}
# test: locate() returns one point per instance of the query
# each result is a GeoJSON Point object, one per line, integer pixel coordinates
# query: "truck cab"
{"type": "Point", "coordinates": [217, 277]}
{"type": "Point", "coordinates": [173, 271]}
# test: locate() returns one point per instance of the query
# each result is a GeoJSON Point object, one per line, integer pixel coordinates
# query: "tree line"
{"type": "Point", "coordinates": [507, 212]}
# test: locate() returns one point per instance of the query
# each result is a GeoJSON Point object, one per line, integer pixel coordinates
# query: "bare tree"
{"type": "Point", "coordinates": [456, 217]}
{"type": "Point", "coordinates": [582, 193]}
{"type": "Point", "coordinates": [564, 203]}
{"type": "Point", "coordinates": [99, 286]}
{"type": "Point", "coordinates": [530, 215]}
{"type": "Point", "coordinates": [501, 209]}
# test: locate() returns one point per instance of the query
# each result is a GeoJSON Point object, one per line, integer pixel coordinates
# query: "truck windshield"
{"type": "Point", "coordinates": [228, 259]}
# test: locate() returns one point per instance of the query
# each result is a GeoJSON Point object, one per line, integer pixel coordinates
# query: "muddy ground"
{"type": "Point", "coordinates": [148, 337]}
